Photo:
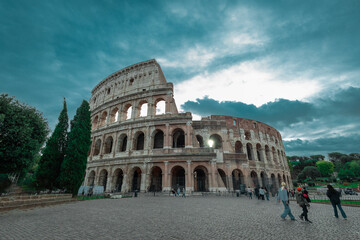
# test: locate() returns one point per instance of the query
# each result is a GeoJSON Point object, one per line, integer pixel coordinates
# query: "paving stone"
{"type": "Point", "coordinates": [164, 217]}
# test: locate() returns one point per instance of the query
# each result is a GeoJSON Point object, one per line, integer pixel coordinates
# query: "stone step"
{"type": "Point", "coordinates": [35, 204]}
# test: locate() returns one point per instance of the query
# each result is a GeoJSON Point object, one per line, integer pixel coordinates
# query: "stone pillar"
{"type": "Point", "coordinates": [168, 104]}
{"type": "Point", "coordinates": [114, 149]}
{"type": "Point", "coordinates": [167, 137]}
{"type": "Point", "coordinates": [188, 142]}
{"type": "Point", "coordinates": [189, 181]}
{"type": "Point", "coordinates": [166, 181]}
{"type": "Point", "coordinates": [263, 154]}
{"type": "Point", "coordinates": [143, 182]}
{"type": "Point", "coordinates": [150, 110]}
{"type": "Point", "coordinates": [214, 185]}
{"type": "Point", "coordinates": [125, 185]}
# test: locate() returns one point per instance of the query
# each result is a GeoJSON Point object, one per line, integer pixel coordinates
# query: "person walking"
{"type": "Point", "coordinates": [257, 192]}
{"type": "Point", "coordinates": [303, 203]}
{"type": "Point", "coordinates": [262, 193]}
{"type": "Point", "coordinates": [266, 194]}
{"type": "Point", "coordinates": [334, 197]}
{"type": "Point", "coordinates": [250, 192]}
{"type": "Point", "coordinates": [184, 193]}
{"type": "Point", "coordinates": [283, 196]}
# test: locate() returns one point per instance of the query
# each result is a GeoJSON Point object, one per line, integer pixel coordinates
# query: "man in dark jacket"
{"type": "Point", "coordinates": [303, 203]}
{"type": "Point", "coordinates": [334, 197]}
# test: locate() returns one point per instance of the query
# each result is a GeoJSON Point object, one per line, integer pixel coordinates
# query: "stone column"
{"type": "Point", "coordinates": [114, 149]}
{"type": "Point", "coordinates": [214, 185]}
{"type": "Point", "coordinates": [189, 181]}
{"type": "Point", "coordinates": [143, 182]}
{"type": "Point", "coordinates": [167, 137]}
{"type": "Point", "coordinates": [188, 142]}
{"type": "Point", "coordinates": [125, 185]}
{"type": "Point", "coordinates": [263, 154]}
{"type": "Point", "coordinates": [166, 181]}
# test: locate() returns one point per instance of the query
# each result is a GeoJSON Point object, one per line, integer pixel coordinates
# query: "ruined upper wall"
{"type": "Point", "coordinates": [140, 77]}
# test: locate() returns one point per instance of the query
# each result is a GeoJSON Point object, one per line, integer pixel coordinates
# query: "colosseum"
{"type": "Point", "coordinates": [140, 142]}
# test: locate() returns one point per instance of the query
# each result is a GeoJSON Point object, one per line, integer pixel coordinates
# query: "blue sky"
{"type": "Point", "coordinates": [291, 64]}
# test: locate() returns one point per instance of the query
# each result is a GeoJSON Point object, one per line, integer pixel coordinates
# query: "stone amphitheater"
{"type": "Point", "coordinates": [140, 142]}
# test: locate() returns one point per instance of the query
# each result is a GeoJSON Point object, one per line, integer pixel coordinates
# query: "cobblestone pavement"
{"type": "Point", "coordinates": [176, 218]}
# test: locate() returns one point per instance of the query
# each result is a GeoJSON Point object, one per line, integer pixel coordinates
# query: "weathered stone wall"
{"type": "Point", "coordinates": [158, 152]}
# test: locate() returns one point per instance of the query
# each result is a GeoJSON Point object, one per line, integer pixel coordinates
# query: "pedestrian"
{"type": "Point", "coordinates": [184, 193]}
{"type": "Point", "coordinates": [257, 192]}
{"type": "Point", "coordinates": [283, 196]}
{"type": "Point", "coordinates": [266, 194]}
{"type": "Point", "coordinates": [303, 203]}
{"type": "Point", "coordinates": [250, 192]}
{"type": "Point", "coordinates": [178, 191]}
{"type": "Point", "coordinates": [334, 197]}
{"type": "Point", "coordinates": [261, 193]}
{"type": "Point", "coordinates": [173, 192]}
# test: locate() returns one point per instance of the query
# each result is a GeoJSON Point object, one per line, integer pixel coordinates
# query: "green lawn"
{"type": "Point", "coordinates": [81, 198]}
{"type": "Point", "coordinates": [344, 201]}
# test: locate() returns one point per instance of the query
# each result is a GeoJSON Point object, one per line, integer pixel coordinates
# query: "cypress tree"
{"type": "Point", "coordinates": [53, 154]}
{"type": "Point", "coordinates": [74, 165]}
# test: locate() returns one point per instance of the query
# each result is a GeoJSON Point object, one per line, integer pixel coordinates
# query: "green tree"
{"type": "Point", "coordinates": [23, 131]}
{"type": "Point", "coordinates": [53, 154]}
{"type": "Point", "coordinates": [325, 167]}
{"type": "Point", "coordinates": [74, 165]}
{"type": "Point", "coordinates": [310, 172]}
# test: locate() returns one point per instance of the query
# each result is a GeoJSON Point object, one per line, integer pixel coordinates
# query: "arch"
{"type": "Point", "coordinates": [264, 179]}
{"type": "Point", "coordinates": [97, 147]}
{"type": "Point", "coordinates": [108, 145]}
{"type": "Point", "coordinates": [103, 179]}
{"type": "Point", "coordinates": [280, 158]}
{"type": "Point", "coordinates": [274, 185]}
{"type": "Point", "coordinates": [283, 177]}
{"type": "Point", "coordinates": [238, 178]}
{"type": "Point", "coordinates": [267, 153]}
{"type": "Point", "coordinates": [223, 178]}
{"type": "Point", "coordinates": [143, 109]}
{"type": "Point", "coordinates": [279, 179]}
{"type": "Point", "coordinates": [201, 183]}
{"type": "Point", "coordinates": [160, 107]}
{"type": "Point", "coordinates": [178, 138]}
{"type": "Point", "coordinates": [158, 139]}
{"type": "Point", "coordinates": [249, 151]}
{"type": "Point", "coordinates": [217, 141]}
{"type": "Point", "coordinates": [238, 147]}
{"type": "Point", "coordinates": [95, 122]}
{"type": "Point", "coordinates": [200, 140]}
{"type": "Point", "coordinates": [139, 141]}
{"type": "Point", "coordinates": [122, 142]}
{"type": "Point", "coordinates": [274, 155]}
{"type": "Point", "coordinates": [114, 115]}
{"type": "Point", "coordinates": [118, 179]}
{"type": "Point", "coordinates": [258, 152]}
{"type": "Point", "coordinates": [178, 177]}
{"type": "Point", "coordinates": [91, 178]}
{"type": "Point", "coordinates": [156, 179]}
{"type": "Point", "coordinates": [127, 112]}
{"type": "Point", "coordinates": [103, 119]}
{"type": "Point", "coordinates": [254, 178]}
{"type": "Point", "coordinates": [247, 135]}
{"type": "Point", "coordinates": [136, 179]}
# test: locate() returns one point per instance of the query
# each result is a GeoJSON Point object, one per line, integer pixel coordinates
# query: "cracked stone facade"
{"type": "Point", "coordinates": [141, 142]}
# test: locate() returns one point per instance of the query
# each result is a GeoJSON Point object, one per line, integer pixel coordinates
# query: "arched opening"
{"type": "Point", "coordinates": [108, 145]}
{"type": "Point", "coordinates": [156, 180]}
{"type": "Point", "coordinates": [283, 177]}
{"type": "Point", "coordinates": [143, 109]}
{"type": "Point", "coordinates": [200, 140]}
{"type": "Point", "coordinates": [114, 115]}
{"type": "Point", "coordinates": [159, 139]}
{"type": "Point", "coordinates": [267, 153]}
{"type": "Point", "coordinates": [274, 154]}
{"type": "Point", "coordinates": [136, 179]}
{"type": "Point", "coordinates": [280, 157]}
{"type": "Point", "coordinates": [139, 141]}
{"type": "Point", "coordinates": [127, 113]}
{"type": "Point", "coordinates": [288, 180]}
{"type": "Point", "coordinates": [178, 177]}
{"type": "Point", "coordinates": [249, 151]}
{"type": "Point", "coordinates": [178, 138]}
{"type": "Point", "coordinates": [119, 177]}
{"type": "Point", "coordinates": [279, 179]}
{"type": "Point", "coordinates": [103, 178]}
{"type": "Point", "coordinates": [258, 152]}
{"type": "Point", "coordinates": [122, 142]}
{"type": "Point", "coordinates": [254, 178]}
{"type": "Point", "coordinates": [264, 181]}
{"type": "Point", "coordinates": [160, 107]}
{"type": "Point", "coordinates": [223, 181]}
{"type": "Point", "coordinates": [247, 135]}
{"type": "Point", "coordinates": [91, 178]}
{"type": "Point", "coordinates": [217, 141]}
{"type": "Point", "coordinates": [238, 179]}
{"type": "Point", "coordinates": [238, 147]}
{"type": "Point", "coordinates": [95, 122]}
{"type": "Point", "coordinates": [97, 147]}
{"type": "Point", "coordinates": [200, 179]}
{"type": "Point", "coordinates": [274, 186]}
{"type": "Point", "coordinates": [103, 119]}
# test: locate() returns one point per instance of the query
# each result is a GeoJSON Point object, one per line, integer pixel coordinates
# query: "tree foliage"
{"type": "Point", "coordinates": [74, 165]}
{"type": "Point", "coordinates": [309, 172]}
{"type": "Point", "coordinates": [23, 131]}
{"type": "Point", "coordinates": [53, 154]}
{"type": "Point", "coordinates": [325, 167]}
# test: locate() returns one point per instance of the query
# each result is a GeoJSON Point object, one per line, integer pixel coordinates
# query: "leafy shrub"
{"type": "Point", "coordinates": [311, 184]}
{"type": "Point", "coordinates": [295, 183]}
{"type": "Point", "coordinates": [4, 182]}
